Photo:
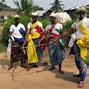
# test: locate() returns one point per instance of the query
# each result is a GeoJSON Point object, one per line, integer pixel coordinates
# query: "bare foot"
{"type": "Point", "coordinates": [28, 68]}
{"type": "Point", "coordinates": [23, 66]}
{"type": "Point", "coordinates": [52, 68]}
{"type": "Point", "coordinates": [80, 85]}
{"type": "Point", "coordinates": [61, 71]}
{"type": "Point", "coordinates": [35, 66]}
{"type": "Point", "coordinates": [10, 67]}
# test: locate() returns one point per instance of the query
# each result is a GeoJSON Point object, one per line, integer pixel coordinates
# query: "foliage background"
{"type": "Point", "coordinates": [25, 20]}
{"type": "Point", "coordinates": [6, 26]}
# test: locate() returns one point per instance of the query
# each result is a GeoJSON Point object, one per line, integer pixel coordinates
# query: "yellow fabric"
{"type": "Point", "coordinates": [84, 30]}
{"type": "Point", "coordinates": [83, 43]}
{"type": "Point", "coordinates": [34, 25]}
{"type": "Point", "coordinates": [34, 34]}
{"type": "Point", "coordinates": [31, 50]}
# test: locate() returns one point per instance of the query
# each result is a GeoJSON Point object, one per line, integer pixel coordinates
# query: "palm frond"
{"type": "Point", "coordinates": [57, 6]}
{"type": "Point", "coordinates": [17, 4]}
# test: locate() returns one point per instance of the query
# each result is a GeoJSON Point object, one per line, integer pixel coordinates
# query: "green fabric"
{"type": "Point", "coordinates": [60, 40]}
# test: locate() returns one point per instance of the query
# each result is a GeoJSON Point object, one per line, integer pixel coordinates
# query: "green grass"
{"type": "Point", "coordinates": [2, 48]}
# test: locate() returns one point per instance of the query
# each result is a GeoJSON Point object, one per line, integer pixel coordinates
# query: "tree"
{"type": "Point", "coordinates": [24, 6]}
{"type": "Point", "coordinates": [2, 1]}
{"type": "Point", "coordinates": [57, 6]}
{"type": "Point", "coordinates": [2, 5]}
{"type": "Point", "coordinates": [35, 8]}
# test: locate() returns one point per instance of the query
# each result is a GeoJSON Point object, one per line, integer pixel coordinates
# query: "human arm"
{"type": "Point", "coordinates": [45, 32]}
{"type": "Point", "coordinates": [71, 29]}
{"type": "Point", "coordinates": [11, 31]}
{"type": "Point", "coordinates": [10, 36]}
{"type": "Point", "coordinates": [27, 33]}
{"type": "Point", "coordinates": [43, 37]}
{"type": "Point", "coordinates": [63, 34]}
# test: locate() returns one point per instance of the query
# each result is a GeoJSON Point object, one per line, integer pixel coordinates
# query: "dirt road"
{"type": "Point", "coordinates": [39, 78]}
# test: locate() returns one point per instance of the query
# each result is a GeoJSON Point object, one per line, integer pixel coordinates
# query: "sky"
{"type": "Point", "coordinates": [45, 3]}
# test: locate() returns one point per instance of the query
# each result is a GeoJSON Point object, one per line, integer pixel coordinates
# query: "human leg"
{"type": "Point", "coordinates": [52, 55]}
{"type": "Point", "coordinates": [76, 53]}
{"type": "Point", "coordinates": [60, 69]}
{"type": "Point", "coordinates": [29, 67]}
{"type": "Point", "coordinates": [81, 65]}
{"type": "Point", "coordinates": [11, 64]}
{"type": "Point", "coordinates": [82, 73]}
{"type": "Point", "coordinates": [60, 57]}
{"type": "Point", "coordinates": [78, 67]}
{"type": "Point", "coordinates": [38, 49]}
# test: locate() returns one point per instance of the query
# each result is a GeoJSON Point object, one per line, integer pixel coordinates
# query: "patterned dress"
{"type": "Point", "coordinates": [56, 51]}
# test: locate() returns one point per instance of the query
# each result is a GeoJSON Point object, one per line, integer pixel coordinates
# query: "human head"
{"type": "Point", "coordinates": [17, 18]}
{"type": "Point", "coordinates": [87, 14]}
{"type": "Point", "coordinates": [53, 17]}
{"type": "Point", "coordinates": [34, 16]}
{"type": "Point", "coordinates": [81, 11]}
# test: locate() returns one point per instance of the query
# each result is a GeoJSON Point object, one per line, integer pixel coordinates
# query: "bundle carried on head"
{"type": "Point", "coordinates": [62, 17]}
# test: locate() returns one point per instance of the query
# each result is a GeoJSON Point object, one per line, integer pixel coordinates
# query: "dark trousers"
{"type": "Point", "coordinates": [80, 63]}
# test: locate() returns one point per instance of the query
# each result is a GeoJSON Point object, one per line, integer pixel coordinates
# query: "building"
{"type": "Point", "coordinates": [6, 11]}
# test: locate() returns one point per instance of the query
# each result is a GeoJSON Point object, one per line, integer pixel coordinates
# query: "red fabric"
{"type": "Point", "coordinates": [52, 27]}
{"type": "Point", "coordinates": [52, 35]}
{"type": "Point", "coordinates": [38, 29]}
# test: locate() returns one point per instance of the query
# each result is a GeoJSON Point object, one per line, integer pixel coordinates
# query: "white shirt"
{"type": "Point", "coordinates": [57, 26]}
{"type": "Point", "coordinates": [78, 33]}
{"type": "Point", "coordinates": [85, 21]}
{"type": "Point", "coordinates": [75, 25]}
{"type": "Point", "coordinates": [39, 24]}
{"type": "Point", "coordinates": [15, 30]}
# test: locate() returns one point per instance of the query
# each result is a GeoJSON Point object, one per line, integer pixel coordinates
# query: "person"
{"type": "Point", "coordinates": [80, 44]}
{"type": "Point", "coordinates": [16, 39]}
{"type": "Point", "coordinates": [33, 35]}
{"type": "Point", "coordinates": [56, 50]}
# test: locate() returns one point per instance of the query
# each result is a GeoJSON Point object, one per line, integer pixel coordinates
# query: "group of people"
{"type": "Point", "coordinates": [79, 43]}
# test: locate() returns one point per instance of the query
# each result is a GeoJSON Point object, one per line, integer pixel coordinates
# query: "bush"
{"type": "Point", "coordinates": [45, 22]}
{"type": "Point", "coordinates": [5, 31]}
{"type": "Point", "coordinates": [2, 48]}
{"type": "Point", "coordinates": [66, 26]}
{"type": "Point", "coordinates": [25, 20]}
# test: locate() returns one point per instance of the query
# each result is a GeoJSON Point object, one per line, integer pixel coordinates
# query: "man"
{"type": "Point", "coordinates": [16, 37]}
{"type": "Point", "coordinates": [80, 44]}
{"type": "Point", "coordinates": [33, 35]}
{"type": "Point", "coordinates": [56, 50]}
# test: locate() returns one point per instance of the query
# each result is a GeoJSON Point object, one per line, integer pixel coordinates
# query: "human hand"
{"type": "Point", "coordinates": [39, 42]}
{"type": "Point", "coordinates": [24, 43]}
{"type": "Point", "coordinates": [55, 41]}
